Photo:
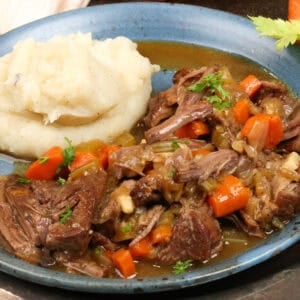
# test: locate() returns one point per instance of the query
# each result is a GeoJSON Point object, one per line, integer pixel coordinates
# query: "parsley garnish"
{"type": "Point", "coordinates": [181, 266]}
{"type": "Point", "coordinates": [98, 251]}
{"type": "Point", "coordinates": [23, 180]}
{"type": "Point", "coordinates": [43, 159]}
{"type": "Point", "coordinates": [62, 181]}
{"type": "Point", "coordinates": [172, 172]}
{"type": "Point", "coordinates": [68, 154]}
{"type": "Point", "coordinates": [217, 96]}
{"type": "Point", "coordinates": [287, 32]}
{"type": "Point", "coordinates": [66, 214]}
{"type": "Point", "coordinates": [175, 145]}
{"type": "Point", "coordinates": [218, 103]}
{"type": "Point", "coordinates": [126, 228]}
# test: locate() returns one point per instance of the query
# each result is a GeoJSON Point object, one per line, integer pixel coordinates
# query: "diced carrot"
{"type": "Point", "coordinates": [141, 249]}
{"type": "Point", "coordinates": [108, 254]}
{"type": "Point", "coordinates": [150, 172]}
{"type": "Point", "coordinates": [161, 233]}
{"type": "Point", "coordinates": [251, 84]}
{"type": "Point", "coordinates": [81, 158]}
{"type": "Point", "coordinates": [193, 130]}
{"type": "Point", "coordinates": [275, 131]}
{"type": "Point", "coordinates": [254, 130]}
{"type": "Point", "coordinates": [45, 168]}
{"type": "Point", "coordinates": [241, 111]}
{"type": "Point", "coordinates": [200, 152]}
{"type": "Point", "coordinates": [123, 260]}
{"type": "Point", "coordinates": [105, 153]}
{"type": "Point", "coordinates": [229, 196]}
{"type": "Point", "coordinates": [294, 10]}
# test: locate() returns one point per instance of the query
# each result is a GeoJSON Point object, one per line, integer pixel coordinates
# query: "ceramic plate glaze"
{"type": "Point", "coordinates": [166, 22]}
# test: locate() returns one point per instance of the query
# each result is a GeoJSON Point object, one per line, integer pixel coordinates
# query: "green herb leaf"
{"type": "Point", "coordinates": [175, 145]}
{"type": "Point", "coordinates": [218, 103]}
{"type": "Point", "coordinates": [217, 96]}
{"type": "Point", "coordinates": [43, 159]}
{"type": "Point", "coordinates": [181, 266]}
{"type": "Point", "coordinates": [23, 180]}
{"type": "Point", "coordinates": [126, 228]}
{"type": "Point", "coordinates": [68, 154]}
{"type": "Point", "coordinates": [98, 251]}
{"type": "Point", "coordinates": [172, 172]}
{"type": "Point", "coordinates": [287, 32]}
{"type": "Point", "coordinates": [62, 181]}
{"type": "Point", "coordinates": [66, 214]}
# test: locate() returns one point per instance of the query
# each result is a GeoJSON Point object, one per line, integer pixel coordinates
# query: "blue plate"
{"type": "Point", "coordinates": [167, 22]}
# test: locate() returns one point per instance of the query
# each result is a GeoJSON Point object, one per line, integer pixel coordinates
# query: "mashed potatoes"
{"type": "Point", "coordinates": [73, 87]}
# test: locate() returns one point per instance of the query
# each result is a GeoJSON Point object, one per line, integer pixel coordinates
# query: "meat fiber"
{"type": "Point", "coordinates": [196, 235]}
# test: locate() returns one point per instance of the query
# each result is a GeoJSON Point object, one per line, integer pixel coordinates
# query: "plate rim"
{"type": "Point", "coordinates": [23, 270]}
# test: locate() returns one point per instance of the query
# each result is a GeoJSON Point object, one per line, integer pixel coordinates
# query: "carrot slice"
{"type": "Point", "coordinates": [294, 10]}
{"type": "Point", "coordinates": [251, 84]}
{"type": "Point", "coordinates": [123, 260]}
{"type": "Point", "coordinates": [81, 158]}
{"type": "Point", "coordinates": [45, 168]}
{"type": "Point", "coordinates": [105, 153]}
{"type": "Point", "coordinates": [193, 130]}
{"type": "Point", "coordinates": [229, 196]}
{"type": "Point", "coordinates": [256, 125]}
{"type": "Point", "coordinates": [161, 233]}
{"type": "Point", "coordinates": [275, 131]}
{"type": "Point", "coordinates": [241, 111]}
{"type": "Point", "coordinates": [141, 249]}
{"type": "Point", "coordinates": [200, 152]}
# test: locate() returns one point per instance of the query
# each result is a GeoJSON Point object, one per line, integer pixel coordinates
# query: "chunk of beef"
{"type": "Point", "coordinates": [161, 107]}
{"type": "Point", "coordinates": [165, 103]}
{"type": "Point", "coordinates": [146, 222]}
{"type": "Point", "coordinates": [84, 265]}
{"type": "Point", "coordinates": [288, 200]}
{"type": "Point", "coordinates": [16, 240]}
{"type": "Point", "coordinates": [183, 116]}
{"type": "Point", "coordinates": [191, 106]}
{"type": "Point", "coordinates": [196, 235]}
{"type": "Point", "coordinates": [147, 190]}
{"type": "Point", "coordinates": [286, 189]}
{"type": "Point", "coordinates": [244, 222]}
{"type": "Point", "coordinates": [270, 89]}
{"type": "Point", "coordinates": [159, 185]}
{"type": "Point", "coordinates": [290, 145]}
{"type": "Point", "coordinates": [98, 239]}
{"type": "Point", "coordinates": [188, 76]}
{"type": "Point", "coordinates": [292, 128]}
{"type": "Point", "coordinates": [130, 161]}
{"type": "Point", "coordinates": [29, 212]}
{"type": "Point", "coordinates": [45, 190]}
{"type": "Point", "coordinates": [75, 233]}
{"type": "Point", "coordinates": [108, 208]}
{"type": "Point", "coordinates": [211, 165]}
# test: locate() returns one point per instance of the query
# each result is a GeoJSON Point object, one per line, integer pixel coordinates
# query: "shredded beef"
{"type": "Point", "coordinates": [130, 161]}
{"type": "Point", "coordinates": [288, 201]}
{"type": "Point", "coordinates": [211, 165]}
{"type": "Point", "coordinates": [193, 112]}
{"type": "Point", "coordinates": [146, 222]}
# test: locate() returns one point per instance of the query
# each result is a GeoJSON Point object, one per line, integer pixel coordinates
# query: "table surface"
{"type": "Point", "coordinates": [277, 278]}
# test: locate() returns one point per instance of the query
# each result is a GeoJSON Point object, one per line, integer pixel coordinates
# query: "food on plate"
{"type": "Point", "coordinates": [70, 86]}
{"type": "Point", "coordinates": [211, 153]}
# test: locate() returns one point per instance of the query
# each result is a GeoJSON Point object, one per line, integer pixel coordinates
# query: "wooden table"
{"type": "Point", "coordinates": [275, 279]}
